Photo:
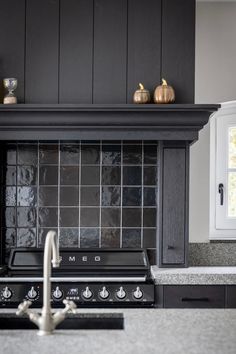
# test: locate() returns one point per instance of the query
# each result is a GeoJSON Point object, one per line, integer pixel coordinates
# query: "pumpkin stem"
{"type": "Point", "coordinates": [141, 86]}
{"type": "Point", "coordinates": [164, 83]}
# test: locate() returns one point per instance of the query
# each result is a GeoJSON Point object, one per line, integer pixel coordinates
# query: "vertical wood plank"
{"type": "Point", "coordinates": [178, 47]}
{"type": "Point", "coordinates": [174, 205]}
{"type": "Point", "coordinates": [12, 44]}
{"type": "Point", "coordinates": [144, 45]}
{"type": "Point", "coordinates": [42, 47]}
{"type": "Point", "coordinates": [76, 50]}
{"type": "Point", "coordinates": [110, 51]}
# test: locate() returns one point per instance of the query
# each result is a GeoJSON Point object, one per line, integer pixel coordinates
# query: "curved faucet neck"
{"type": "Point", "coordinates": [51, 255]}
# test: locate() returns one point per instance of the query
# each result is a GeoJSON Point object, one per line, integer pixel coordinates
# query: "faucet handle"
{"type": "Point", "coordinates": [70, 306]}
{"type": "Point", "coordinates": [23, 307]}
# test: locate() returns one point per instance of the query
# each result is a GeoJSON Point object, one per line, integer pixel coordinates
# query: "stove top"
{"type": "Point", "coordinates": [91, 278]}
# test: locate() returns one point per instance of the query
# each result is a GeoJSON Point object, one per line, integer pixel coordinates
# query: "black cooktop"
{"type": "Point", "coordinates": [81, 262]}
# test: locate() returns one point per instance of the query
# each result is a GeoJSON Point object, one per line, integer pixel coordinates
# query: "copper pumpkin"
{"type": "Point", "coordinates": [141, 95]}
{"type": "Point", "coordinates": [164, 93]}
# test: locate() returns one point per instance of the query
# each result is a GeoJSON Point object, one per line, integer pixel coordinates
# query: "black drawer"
{"type": "Point", "coordinates": [230, 296]}
{"type": "Point", "coordinates": [194, 296]}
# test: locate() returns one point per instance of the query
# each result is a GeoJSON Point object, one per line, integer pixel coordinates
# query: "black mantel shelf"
{"type": "Point", "coordinates": [103, 121]}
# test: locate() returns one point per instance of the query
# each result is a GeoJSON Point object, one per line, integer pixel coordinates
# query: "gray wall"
{"type": "Point", "coordinates": [215, 81]}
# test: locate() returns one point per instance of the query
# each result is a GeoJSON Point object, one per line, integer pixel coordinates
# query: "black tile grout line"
{"type": "Point", "coordinates": [59, 194]}
{"type": "Point", "coordinates": [100, 196]}
{"type": "Point", "coordinates": [121, 197]}
{"type": "Point", "coordinates": [37, 206]}
{"type": "Point", "coordinates": [79, 239]}
{"type": "Point", "coordinates": [142, 196]}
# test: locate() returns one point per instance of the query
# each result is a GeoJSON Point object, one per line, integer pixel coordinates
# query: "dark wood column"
{"type": "Point", "coordinates": [173, 233]}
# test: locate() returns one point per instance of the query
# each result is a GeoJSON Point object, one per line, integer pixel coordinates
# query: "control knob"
{"type": "Point", "coordinates": [104, 294]}
{"type": "Point", "coordinates": [57, 293]}
{"type": "Point", "coordinates": [32, 293]}
{"type": "Point", "coordinates": [138, 293]}
{"type": "Point", "coordinates": [7, 293]}
{"type": "Point", "coordinates": [121, 294]}
{"type": "Point", "coordinates": [87, 293]}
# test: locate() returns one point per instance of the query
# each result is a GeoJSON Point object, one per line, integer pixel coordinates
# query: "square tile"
{"type": "Point", "coordinates": [48, 175]}
{"type": "Point", "coordinates": [10, 196]}
{"type": "Point", "coordinates": [69, 238]}
{"type": "Point", "coordinates": [48, 154]}
{"type": "Point", "coordinates": [27, 154]}
{"type": "Point", "coordinates": [110, 217]}
{"type": "Point", "coordinates": [132, 154]}
{"type": "Point", "coordinates": [89, 238]}
{"type": "Point", "coordinates": [9, 218]}
{"type": "Point", "coordinates": [89, 217]}
{"type": "Point", "coordinates": [132, 196]}
{"type": "Point", "coordinates": [26, 217]}
{"type": "Point", "coordinates": [42, 233]}
{"type": "Point", "coordinates": [110, 238]}
{"type": "Point", "coordinates": [111, 175]}
{"type": "Point", "coordinates": [9, 177]}
{"type": "Point", "coordinates": [69, 196]}
{"type": "Point", "coordinates": [90, 154]}
{"type": "Point", "coordinates": [131, 217]}
{"type": "Point", "coordinates": [26, 238]}
{"type": "Point", "coordinates": [11, 154]}
{"type": "Point", "coordinates": [10, 237]}
{"type": "Point", "coordinates": [48, 217]}
{"type": "Point", "coordinates": [26, 175]}
{"type": "Point", "coordinates": [111, 154]}
{"type": "Point", "coordinates": [149, 196]}
{"type": "Point", "coordinates": [150, 175]}
{"type": "Point", "coordinates": [90, 175]}
{"type": "Point", "coordinates": [90, 196]}
{"type": "Point", "coordinates": [69, 175]}
{"type": "Point", "coordinates": [26, 196]}
{"type": "Point", "coordinates": [69, 217]}
{"type": "Point", "coordinates": [131, 238]}
{"type": "Point", "coordinates": [69, 154]}
{"type": "Point", "coordinates": [149, 217]}
{"type": "Point", "coordinates": [132, 175]}
{"type": "Point", "coordinates": [111, 196]}
{"type": "Point", "coordinates": [150, 154]}
{"type": "Point", "coordinates": [149, 238]}
{"type": "Point", "coordinates": [48, 196]}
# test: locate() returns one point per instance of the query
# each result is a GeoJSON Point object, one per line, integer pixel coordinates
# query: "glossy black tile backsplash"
{"type": "Point", "coordinates": [94, 194]}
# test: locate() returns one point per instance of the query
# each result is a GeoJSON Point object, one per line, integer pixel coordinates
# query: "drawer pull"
{"type": "Point", "coordinates": [169, 247]}
{"type": "Point", "coordinates": [189, 299]}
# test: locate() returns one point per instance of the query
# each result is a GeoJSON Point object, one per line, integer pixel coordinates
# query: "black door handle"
{"type": "Point", "coordinates": [221, 191]}
{"type": "Point", "coordinates": [189, 299]}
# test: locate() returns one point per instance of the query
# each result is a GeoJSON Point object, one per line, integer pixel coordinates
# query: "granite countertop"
{"type": "Point", "coordinates": [194, 276]}
{"type": "Point", "coordinates": [152, 331]}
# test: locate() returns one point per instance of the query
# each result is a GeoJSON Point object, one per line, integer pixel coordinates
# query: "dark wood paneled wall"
{"type": "Point", "coordinates": [96, 51]}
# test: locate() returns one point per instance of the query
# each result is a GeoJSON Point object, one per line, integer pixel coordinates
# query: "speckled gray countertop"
{"type": "Point", "coordinates": [194, 276]}
{"type": "Point", "coordinates": [152, 331]}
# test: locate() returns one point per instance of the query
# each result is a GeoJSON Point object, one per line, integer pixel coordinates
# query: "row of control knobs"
{"type": "Point", "coordinates": [104, 294]}
{"type": "Point", "coordinates": [87, 293]}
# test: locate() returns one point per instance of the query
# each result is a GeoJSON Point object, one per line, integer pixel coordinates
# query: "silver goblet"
{"type": "Point", "coordinates": [10, 84]}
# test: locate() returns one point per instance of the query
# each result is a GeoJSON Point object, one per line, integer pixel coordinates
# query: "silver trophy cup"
{"type": "Point", "coordinates": [10, 84]}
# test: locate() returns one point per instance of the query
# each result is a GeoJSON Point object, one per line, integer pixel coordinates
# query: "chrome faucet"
{"type": "Point", "coordinates": [48, 321]}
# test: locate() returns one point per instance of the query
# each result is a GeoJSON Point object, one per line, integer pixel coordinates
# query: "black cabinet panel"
{"type": "Point", "coordinates": [178, 47]}
{"type": "Point", "coordinates": [76, 50]}
{"type": "Point", "coordinates": [144, 45]}
{"type": "Point", "coordinates": [42, 51]}
{"type": "Point", "coordinates": [174, 205]}
{"type": "Point", "coordinates": [12, 39]}
{"type": "Point", "coordinates": [230, 296]}
{"type": "Point", "coordinates": [110, 51]}
{"type": "Point", "coordinates": [194, 296]}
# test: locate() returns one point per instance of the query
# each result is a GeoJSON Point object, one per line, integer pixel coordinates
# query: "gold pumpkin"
{"type": "Point", "coordinates": [164, 93]}
{"type": "Point", "coordinates": [141, 95]}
